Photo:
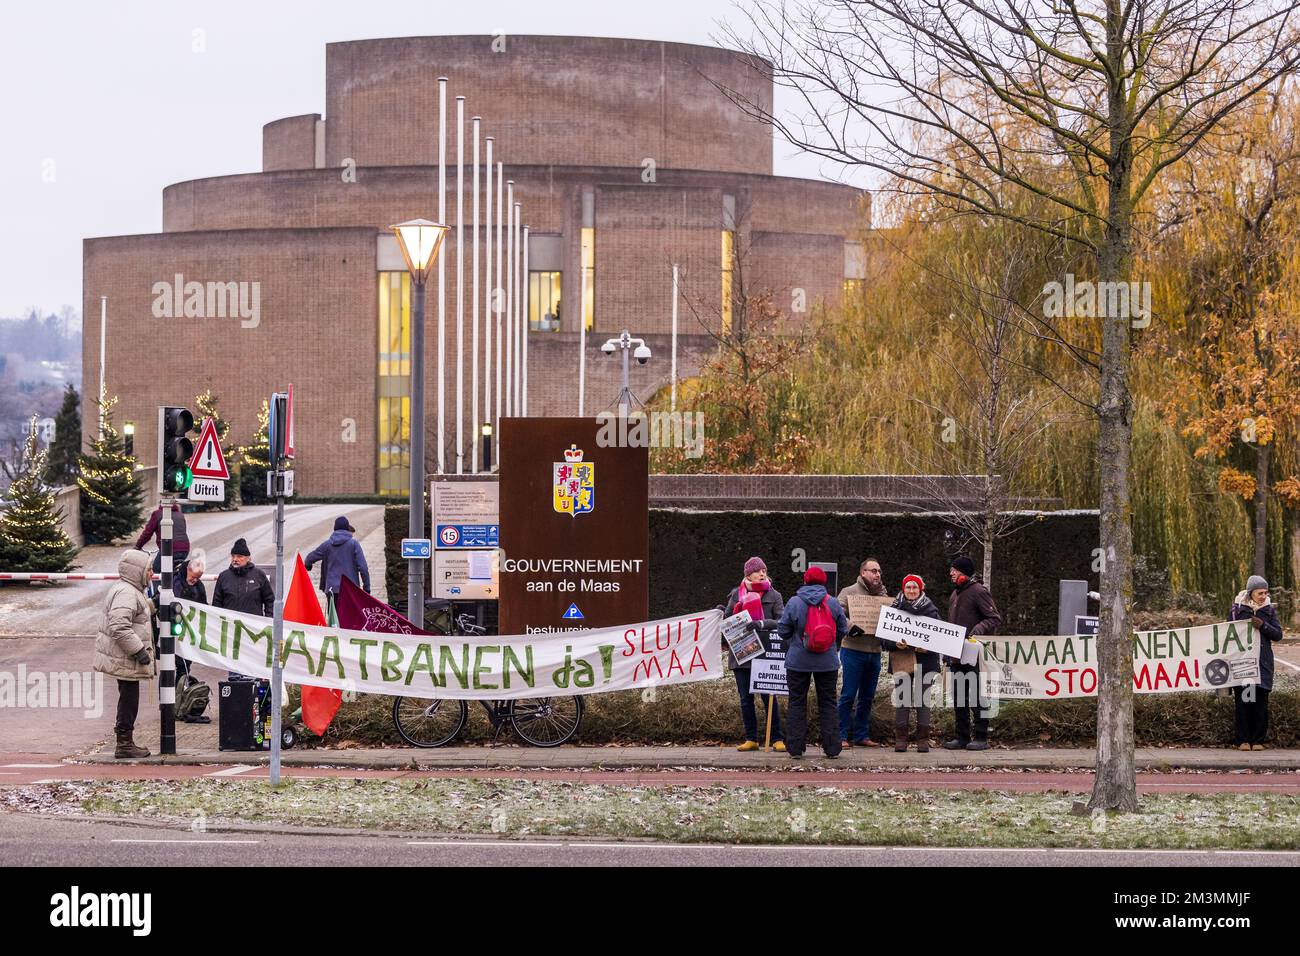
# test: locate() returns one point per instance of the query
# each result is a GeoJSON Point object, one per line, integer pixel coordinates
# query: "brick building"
{"type": "Point", "coordinates": [625, 159]}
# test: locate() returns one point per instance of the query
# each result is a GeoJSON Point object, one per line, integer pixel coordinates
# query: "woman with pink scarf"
{"type": "Point", "coordinates": [756, 595]}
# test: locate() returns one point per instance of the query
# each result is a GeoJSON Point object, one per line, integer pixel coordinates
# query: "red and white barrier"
{"type": "Point", "coordinates": [72, 576]}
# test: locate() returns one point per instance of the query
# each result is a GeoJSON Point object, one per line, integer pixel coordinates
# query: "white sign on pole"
{"type": "Point", "coordinates": [465, 502]}
{"type": "Point", "coordinates": [927, 633]}
{"type": "Point", "coordinates": [465, 575]}
{"type": "Point", "coordinates": [205, 489]}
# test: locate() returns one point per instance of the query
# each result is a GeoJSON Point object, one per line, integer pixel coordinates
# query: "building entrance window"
{"type": "Point", "coordinates": [393, 380]}
{"type": "Point", "coordinates": [544, 301]}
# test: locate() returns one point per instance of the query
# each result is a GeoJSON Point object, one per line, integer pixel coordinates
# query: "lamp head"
{"type": "Point", "coordinates": [420, 241]}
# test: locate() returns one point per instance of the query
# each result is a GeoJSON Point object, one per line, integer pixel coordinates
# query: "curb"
{"type": "Point", "coordinates": [709, 758]}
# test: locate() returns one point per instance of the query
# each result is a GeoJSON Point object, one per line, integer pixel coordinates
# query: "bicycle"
{"type": "Point", "coordinates": [541, 721]}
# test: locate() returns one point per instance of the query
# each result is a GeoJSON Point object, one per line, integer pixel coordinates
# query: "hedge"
{"type": "Point", "coordinates": [697, 557]}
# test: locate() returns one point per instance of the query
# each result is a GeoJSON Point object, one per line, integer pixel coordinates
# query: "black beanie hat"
{"type": "Point", "coordinates": [241, 547]}
{"type": "Point", "coordinates": [964, 564]}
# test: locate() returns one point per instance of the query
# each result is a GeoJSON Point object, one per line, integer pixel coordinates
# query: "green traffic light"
{"type": "Point", "coordinates": [182, 478]}
{"type": "Point", "coordinates": [178, 627]}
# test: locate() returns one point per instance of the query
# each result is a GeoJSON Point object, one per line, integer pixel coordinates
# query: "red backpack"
{"type": "Point", "coordinates": [819, 628]}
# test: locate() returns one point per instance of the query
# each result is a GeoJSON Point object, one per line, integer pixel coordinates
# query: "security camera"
{"type": "Point", "coordinates": [642, 353]}
{"type": "Point", "coordinates": [608, 348]}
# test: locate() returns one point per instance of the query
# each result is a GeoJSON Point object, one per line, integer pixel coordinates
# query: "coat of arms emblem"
{"type": "Point", "coordinates": [574, 483]}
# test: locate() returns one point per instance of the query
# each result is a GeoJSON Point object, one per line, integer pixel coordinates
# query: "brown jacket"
{"type": "Point", "coordinates": [869, 644]}
{"type": "Point", "coordinates": [126, 626]}
{"type": "Point", "coordinates": [971, 606]}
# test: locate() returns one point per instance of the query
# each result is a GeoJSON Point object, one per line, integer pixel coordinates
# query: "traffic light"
{"type": "Point", "coordinates": [177, 621]}
{"type": "Point", "coordinates": [175, 449]}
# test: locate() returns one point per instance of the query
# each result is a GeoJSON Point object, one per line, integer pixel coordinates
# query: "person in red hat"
{"type": "Point", "coordinates": [914, 669]}
{"type": "Point", "coordinates": [812, 626]}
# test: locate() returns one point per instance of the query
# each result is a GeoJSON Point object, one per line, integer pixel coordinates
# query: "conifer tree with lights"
{"type": "Point", "coordinates": [31, 527]}
{"type": "Point", "coordinates": [112, 496]}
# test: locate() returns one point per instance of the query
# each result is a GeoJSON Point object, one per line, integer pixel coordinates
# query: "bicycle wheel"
{"type": "Point", "coordinates": [546, 721]}
{"type": "Point", "coordinates": [422, 722]}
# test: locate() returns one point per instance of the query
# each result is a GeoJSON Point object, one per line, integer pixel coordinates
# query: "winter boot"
{"type": "Point", "coordinates": [900, 729]}
{"type": "Point", "coordinates": [923, 738]}
{"type": "Point", "coordinates": [126, 748]}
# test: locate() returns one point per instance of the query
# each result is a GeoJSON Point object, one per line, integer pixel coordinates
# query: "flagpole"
{"type": "Point", "coordinates": [487, 289]}
{"type": "Point", "coordinates": [442, 278]}
{"type": "Point", "coordinates": [473, 388]}
{"type": "Point", "coordinates": [510, 297]}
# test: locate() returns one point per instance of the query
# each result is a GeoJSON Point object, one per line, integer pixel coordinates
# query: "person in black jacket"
{"type": "Point", "coordinates": [243, 587]}
{"type": "Point", "coordinates": [1251, 710]}
{"type": "Point", "coordinates": [971, 606]}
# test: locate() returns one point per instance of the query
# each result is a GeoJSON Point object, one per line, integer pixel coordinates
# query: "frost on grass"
{"type": "Point", "coordinates": [805, 815]}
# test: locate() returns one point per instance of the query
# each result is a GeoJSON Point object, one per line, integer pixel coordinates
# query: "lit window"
{"type": "Point", "coordinates": [393, 384]}
{"type": "Point", "coordinates": [728, 260]}
{"type": "Point", "coordinates": [589, 277]}
{"type": "Point", "coordinates": [544, 301]}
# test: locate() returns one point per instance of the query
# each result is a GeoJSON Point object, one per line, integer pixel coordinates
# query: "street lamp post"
{"type": "Point", "coordinates": [420, 241]}
{"type": "Point", "coordinates": [128, 434]}
{"type": "Point", "coordinates": [487, 446]}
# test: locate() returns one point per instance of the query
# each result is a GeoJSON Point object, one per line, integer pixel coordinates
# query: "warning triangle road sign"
{"type": "Point", "coordinates": [208, 462]}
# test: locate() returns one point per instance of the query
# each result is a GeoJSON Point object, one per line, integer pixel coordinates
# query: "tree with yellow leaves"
{"type": "Point", "coordinates": [1240, 213]}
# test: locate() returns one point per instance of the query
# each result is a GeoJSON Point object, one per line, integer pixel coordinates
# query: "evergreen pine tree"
{"type": "Point", "coordinates": [255, 460]}
{"type": "Point", "coordinates": [207, 406]}
{"type": "Point", "coordinates": [31, 528]}
{"type": "Point", "coordinates": [112, 497]}
{"type": "Point", "coordinates": [66, 447]}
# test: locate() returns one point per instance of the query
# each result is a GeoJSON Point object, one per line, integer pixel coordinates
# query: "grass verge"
{"type": "Point", "coordinates": [797, 815]}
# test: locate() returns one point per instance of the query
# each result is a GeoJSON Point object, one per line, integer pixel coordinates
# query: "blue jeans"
{"type": "Point", "coordinates": [748, 713]}
{"type": "Point", "coordinates": [861, 674]}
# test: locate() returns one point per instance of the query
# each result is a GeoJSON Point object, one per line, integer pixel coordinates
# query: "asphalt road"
{"type": "Point", "coordinates": [74, 607]}
{"type": "Point", "coordinates": [40, 841]}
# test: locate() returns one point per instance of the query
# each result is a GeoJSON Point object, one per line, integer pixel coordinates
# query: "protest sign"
{"type": "Point", "coordinates": [741, 636]}
{"type": "Point", "coordinates": [767, 672]}
{"type": "Point", "coordinates": [864, 609]}
{"type": "Point", "coordinates": [1164, 661]}
{"type": "Point", "coordinates": [927, 633]}
{"type": "Point", "coordinates": [674, 650]}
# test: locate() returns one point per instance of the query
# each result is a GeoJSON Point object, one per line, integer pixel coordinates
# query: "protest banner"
{"type": "Point", "coordinates": [674, 650]}
{"type": "Point", "coordinates": [1164, 662]}
{"type": "Point", "coordinates": [741, 636]}
{"type": "Point", "coordinates": [927, 633]}
{"type": "Point", "coordinates": [864, 609]}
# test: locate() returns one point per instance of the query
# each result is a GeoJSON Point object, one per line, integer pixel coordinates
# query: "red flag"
{"type": "Point", "coordinates": [319, 704]}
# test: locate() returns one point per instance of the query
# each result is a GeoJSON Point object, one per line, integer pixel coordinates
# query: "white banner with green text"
{"type": "Point", "coordinates": [1164, 662]}
{"type": "Point", "coordinates": [675, 650]}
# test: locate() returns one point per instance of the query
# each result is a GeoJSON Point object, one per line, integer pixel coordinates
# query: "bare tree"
{"type": "Point", "coordinates": [1082, 103]}
{"type": "Point", "coordinates": [997, 421]}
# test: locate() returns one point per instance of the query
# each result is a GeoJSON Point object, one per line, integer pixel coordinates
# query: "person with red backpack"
{"type": "Point", "coordinates": [812, 624]}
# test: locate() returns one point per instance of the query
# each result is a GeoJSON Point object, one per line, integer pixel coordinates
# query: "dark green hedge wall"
{"type": "Point", "coordinates": [697, 557]}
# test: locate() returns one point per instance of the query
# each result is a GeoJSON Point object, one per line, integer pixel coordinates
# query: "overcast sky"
{"type": "Point", "coordinates": [105, 103]}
